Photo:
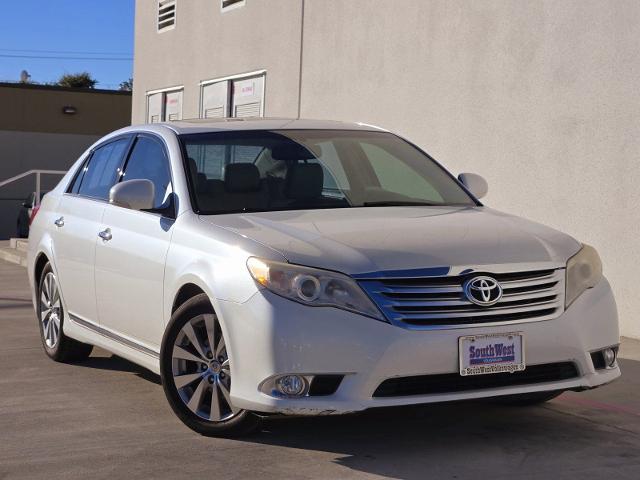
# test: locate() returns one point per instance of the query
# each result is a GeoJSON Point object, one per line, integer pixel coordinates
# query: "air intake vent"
{"type": "Point", "coordinates": [453, 382]}
{"type": "Point", "coordinates": [248, 110]}
{"type": "Point", "coordinates": [215, 112]}
{"type": "Point", "coordinates": [229, 4]}
{"type": "Point", "coordinates": [166, 15]}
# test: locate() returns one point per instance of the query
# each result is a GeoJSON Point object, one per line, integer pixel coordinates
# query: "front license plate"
{"type": "Point", "coordinates": [496, 353]}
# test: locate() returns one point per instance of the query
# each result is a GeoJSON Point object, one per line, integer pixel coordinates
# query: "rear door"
{"type": "Point", "coordinates": [77, 225]}
{"type": "Point", "coordinates": [130, 265]}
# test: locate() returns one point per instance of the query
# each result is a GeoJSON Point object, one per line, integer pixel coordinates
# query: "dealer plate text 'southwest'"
{"type": "Point", "coordinates": [287, 266]}
{"type": "Point", "coordinates": [491, 354]}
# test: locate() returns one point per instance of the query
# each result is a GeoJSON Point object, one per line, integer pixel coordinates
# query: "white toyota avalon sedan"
{"type": "Point", "coordinates": [309, 268]}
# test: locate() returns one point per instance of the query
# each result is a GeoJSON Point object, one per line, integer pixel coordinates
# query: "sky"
{"type": "Point", "coordinates": [91, 29]}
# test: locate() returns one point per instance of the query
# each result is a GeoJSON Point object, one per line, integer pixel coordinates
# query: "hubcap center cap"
{"type": "Point", "coordinates": [215, 367]}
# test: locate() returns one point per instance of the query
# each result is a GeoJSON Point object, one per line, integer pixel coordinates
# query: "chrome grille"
{"type": "Point", "coordinates": [440, 301]}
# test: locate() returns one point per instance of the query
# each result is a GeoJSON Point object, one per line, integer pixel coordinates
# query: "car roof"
{"type": "Point", "coordinates": [203, 125]}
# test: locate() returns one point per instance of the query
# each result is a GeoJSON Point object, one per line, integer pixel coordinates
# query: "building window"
{"type": "Point", "coordinates": [166, 15]}
{"type": "Point", "coordinates": [231, 4]}
{"type": "Point", "coordinates": [235, 96]}
{"type": "Point", "coordinates": [164, 105]}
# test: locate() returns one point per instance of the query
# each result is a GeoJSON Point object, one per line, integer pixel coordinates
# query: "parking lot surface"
{"type": "Point", "coordinates": [107, 418]}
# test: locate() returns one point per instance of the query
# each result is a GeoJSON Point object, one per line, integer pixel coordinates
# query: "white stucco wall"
{"type": "Point", "coordinates": [540, 97]}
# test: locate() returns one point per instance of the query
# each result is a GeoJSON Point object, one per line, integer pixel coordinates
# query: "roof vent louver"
{"type": "Point", "coordinates": [229, 4]}
{"type": "Point", "coordinates": [166, 15]}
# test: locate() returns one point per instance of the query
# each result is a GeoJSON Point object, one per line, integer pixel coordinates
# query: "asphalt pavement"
{"type": "Point", "coordinates": [107, 418]}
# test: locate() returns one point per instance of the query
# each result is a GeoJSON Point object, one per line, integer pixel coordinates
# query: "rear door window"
{"type": "Point", "coordinates": [103, 170]}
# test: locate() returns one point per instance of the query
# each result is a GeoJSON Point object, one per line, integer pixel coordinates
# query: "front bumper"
{"type": "Point", "coordinates": [269, 335]}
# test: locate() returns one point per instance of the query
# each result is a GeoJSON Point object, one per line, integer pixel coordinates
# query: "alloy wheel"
{"type": "Point", "coordinates": [50, 310]}
{"type": "Point", "coordinates": [201, 370]}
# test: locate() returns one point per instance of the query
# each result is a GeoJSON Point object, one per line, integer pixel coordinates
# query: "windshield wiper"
{"type": "Point", "coordinates": [399, 203]}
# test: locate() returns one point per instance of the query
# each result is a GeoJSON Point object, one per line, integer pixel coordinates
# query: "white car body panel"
{"type": "Point", "coordinates": [364, 240]}
{"type": "Point", "coordinates": [120, 296]}
{"type": "Point", "coordinates": [81, 218]}
{"type": "Point", "coordinates": [123, 275]}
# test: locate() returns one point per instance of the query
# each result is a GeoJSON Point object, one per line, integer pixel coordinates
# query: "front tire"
{"type": "Point", "coordinates": [196, 373]}
{"type": "Point", "coordinates": [50, 313]}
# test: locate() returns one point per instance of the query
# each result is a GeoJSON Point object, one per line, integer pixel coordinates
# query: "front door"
{"type": "Point", "coordinates": [129, 266]}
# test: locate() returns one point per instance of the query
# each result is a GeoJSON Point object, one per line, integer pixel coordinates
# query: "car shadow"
{"type": "Point", "coordinates": [457, 440]}
{"type": "Point", "coordinates": [14, 302]}
{"type": "Point", "coordinates": [115, 363]}
{"type": "Point", "coordinates": [460, 440]}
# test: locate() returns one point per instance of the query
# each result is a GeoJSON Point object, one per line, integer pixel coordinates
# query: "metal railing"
{"type": "Point", "coordinates": [38, 174]}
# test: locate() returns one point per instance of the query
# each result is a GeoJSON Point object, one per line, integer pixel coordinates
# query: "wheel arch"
{"type": "Point", "coordinates": [187, 287]}
{"type": "Point", "coordinates": [41, 261]}
{"type": "Point", "coordinates": [184, 293]}
{"type": "Point", "coordinates": [182, 289]}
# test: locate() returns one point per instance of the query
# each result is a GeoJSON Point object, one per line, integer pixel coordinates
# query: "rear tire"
{"type": "Point", "coordinates": [194, 356]}
{"type": "Point", "coordinates": [527, 399]}
{"type": "Point", "coordinates": [50, 313]}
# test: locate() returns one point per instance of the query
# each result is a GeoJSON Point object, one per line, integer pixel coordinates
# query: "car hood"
{"type": "Point", "coordinates": [365, 241]}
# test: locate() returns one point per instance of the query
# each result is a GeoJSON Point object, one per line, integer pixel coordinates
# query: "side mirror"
{"type": "Point", "coordinates": [133, 194]}
{"type": "Point", "coordinates": [475, 184]}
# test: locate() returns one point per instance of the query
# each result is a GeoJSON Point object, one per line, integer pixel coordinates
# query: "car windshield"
{"type": "Point", "coordinates": [253, 171]}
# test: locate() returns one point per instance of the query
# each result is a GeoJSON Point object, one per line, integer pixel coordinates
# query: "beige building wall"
{"type": "Point", "coordinates": [36, 135]}
{"type": "Point", "coordinates": [540, 97]}
{"type": "Point", "coordinates": [207, 44]}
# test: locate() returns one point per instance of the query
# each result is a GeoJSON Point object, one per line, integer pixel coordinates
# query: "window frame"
{"type": "Point", "coordinates": [163, 211]}
{"type": "Point", "coordinates": [79, 174]}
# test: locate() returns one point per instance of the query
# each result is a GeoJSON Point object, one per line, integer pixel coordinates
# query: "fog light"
{"type": "Point", "coordinates": [609, 355]}
{"type": "Point", "coordinates": [291, 385]}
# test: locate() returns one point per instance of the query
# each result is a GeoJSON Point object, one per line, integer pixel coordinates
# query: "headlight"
{"type": "Point", "coordinates": [584, 271]}
{"type": "Point", "coordinates": [311, 286]}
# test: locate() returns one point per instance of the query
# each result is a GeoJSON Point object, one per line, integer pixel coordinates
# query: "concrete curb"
{"type": "Point", "coordinates": [629, 349]}
{"type": "Point", "coordinates": [13, 255]}
{"type": "Point", "coordinates": [14, 251]}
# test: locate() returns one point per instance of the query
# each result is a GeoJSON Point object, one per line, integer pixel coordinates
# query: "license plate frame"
{"type": "Point", "coordinates": [487, 361]}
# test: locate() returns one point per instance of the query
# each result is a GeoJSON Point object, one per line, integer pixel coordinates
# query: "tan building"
{"type": "Point", "coordinates": [47, 128]}
{"type": "Point", "coordinates": [540, 97]}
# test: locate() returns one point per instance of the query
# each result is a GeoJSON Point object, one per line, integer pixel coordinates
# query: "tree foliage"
{"type": "Point", "coordinates": [77, 80]}
{"type": "Point", "coordinates": [126, 86]}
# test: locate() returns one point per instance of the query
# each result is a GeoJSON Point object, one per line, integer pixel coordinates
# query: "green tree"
{"type": "Point", "coordinates": [77, 80]}
{"type": "Point", "coordinates": [126, 86]}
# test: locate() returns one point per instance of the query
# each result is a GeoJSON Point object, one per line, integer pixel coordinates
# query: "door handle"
{"type": "Point", "coordinates": [105, 234]}
{"type": "Point", "coordinates": [59, 222]}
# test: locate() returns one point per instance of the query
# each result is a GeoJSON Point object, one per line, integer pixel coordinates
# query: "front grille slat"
{"type": "Point", "coordinates": [422, 290]}
{"type": "Point", "coordinates": [528, 283]}
{"type": "Point", "coordinates": [527, 295]}
{"type": "Point", "coordinates": [440, 301]}
{"type": "Point", "coordinates": [504, 310]}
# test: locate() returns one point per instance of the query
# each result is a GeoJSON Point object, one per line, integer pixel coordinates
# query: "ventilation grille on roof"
{"type": "Point", "coordinates": [229, 4]}
{"type": "Point", "coordinates": [166, 15]}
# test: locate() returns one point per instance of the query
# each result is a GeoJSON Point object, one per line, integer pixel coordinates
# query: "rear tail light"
{"type": "Point", "coordinates": [34, 211]}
